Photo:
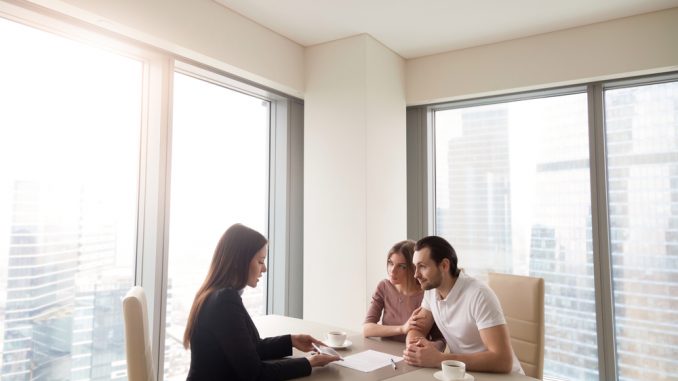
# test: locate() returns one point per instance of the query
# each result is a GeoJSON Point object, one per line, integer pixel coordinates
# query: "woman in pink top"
{"type": "Point", "coordinates": [396, 297]}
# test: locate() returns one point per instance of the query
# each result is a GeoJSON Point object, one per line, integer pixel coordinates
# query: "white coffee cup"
{"type": "Point", "coordinates": [453, 370]}
{"type": "Point", "coordinates": [336, 338]}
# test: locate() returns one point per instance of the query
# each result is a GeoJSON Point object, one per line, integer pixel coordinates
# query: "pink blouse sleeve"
{"type": "Point", "coordinates": [377, 305]}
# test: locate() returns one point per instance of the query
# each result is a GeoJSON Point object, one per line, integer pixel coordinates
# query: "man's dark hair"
{"type": "Point", "coordinates": [439, 249]}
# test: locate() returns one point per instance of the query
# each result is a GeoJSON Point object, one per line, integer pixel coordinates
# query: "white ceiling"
{"type": "Point", "coordinates": [415, 28]}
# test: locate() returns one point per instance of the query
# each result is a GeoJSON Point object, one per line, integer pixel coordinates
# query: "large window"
{"type": "Point", "coordinates": [220, 145]}
{"type": "Point", "coordinates": [641, 128]}
{"type": "Point", "coordinates": [70, 129]}
{"type": "Point", "coordinates": [108, 180]}
{"type": "Point", "coordinates": [513, 193]}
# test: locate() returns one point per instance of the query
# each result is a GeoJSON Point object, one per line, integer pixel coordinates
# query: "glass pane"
{"type": "Point", "coordinates": [219, 177]}
{"type": "Point", "coordinates": [513, 195]}
{"type": "Point", "coordinates": [642, 152]}
{"type": "Point", "coordinates": [69, 159]}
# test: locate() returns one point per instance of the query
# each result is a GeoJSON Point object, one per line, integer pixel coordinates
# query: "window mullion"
{"type": "Point", "coordinates": [601, 236]}
{"type": "Point", "coordinates": [153, 227]}
{"type": "Point", "coordinates": [420, 172]}
{"type": "Point", "coordinates": [278, 249]}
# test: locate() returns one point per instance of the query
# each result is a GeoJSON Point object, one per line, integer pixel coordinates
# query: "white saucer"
{"type": "Point", "coordinates": [345, 345]}
{"type": "Point", "coordinates": [439, 375]}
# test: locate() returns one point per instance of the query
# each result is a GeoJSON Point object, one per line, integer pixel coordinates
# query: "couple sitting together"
{"type": "Point", "coordinates": [225, 344]}
{"type": "Point", "coordinates": [426, 296]}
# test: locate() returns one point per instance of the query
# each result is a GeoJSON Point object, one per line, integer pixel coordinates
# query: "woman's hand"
{"type": "Point", "coordinates": [319, 359]}
{"type": "Point", "coordinates": [304, 343]}
{"type": "Point", "coordinates": [414, 322]}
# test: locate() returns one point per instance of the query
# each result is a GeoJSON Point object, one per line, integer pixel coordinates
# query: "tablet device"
{"type": "Point", "coordinates": [326, 350]}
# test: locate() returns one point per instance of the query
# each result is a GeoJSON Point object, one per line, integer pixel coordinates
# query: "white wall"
{"type": "Point", "coordinates": [634, 45]}
{"type": "Point", "coordinates": [201, 30]}
{"type": "Point", "coordinates": [354, 174]}
{"type": "Point", "coordinates": [386, 188]}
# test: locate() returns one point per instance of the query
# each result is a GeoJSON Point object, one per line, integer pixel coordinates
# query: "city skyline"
{"type": "Point", "coordinates": [479, 213]}
{"type": "Point", "coordinates": [61, 316]}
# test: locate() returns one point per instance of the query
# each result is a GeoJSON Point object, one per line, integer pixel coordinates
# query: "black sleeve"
{"type": "Point", "coordinates": [274, 347]}
{"type": "Point", "coordinates": [231, 325]}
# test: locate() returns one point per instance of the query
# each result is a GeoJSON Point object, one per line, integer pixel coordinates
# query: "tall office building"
{"type": "Point", "coordinates": [98, 346]}
{"type": "Point", "coordinates": [561, 248]}
{"type": "Point", "coordinates": [477, 219]}
{"type": "Point", "coordinates": [570, 315]}
{"type": "Point", "coordinates": [40, 289]}
{"type": "Point", "coordinates": [486, 217]}
{"type": "Point", "coordinates": [61, 319]}
{"type": "Point", "coordinates": [642, 142]}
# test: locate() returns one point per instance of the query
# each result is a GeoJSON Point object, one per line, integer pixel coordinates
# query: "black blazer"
{"type": "Point", "coordinates": [225, 345]}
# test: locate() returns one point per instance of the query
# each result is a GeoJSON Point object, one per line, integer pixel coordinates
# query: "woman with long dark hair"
{"type": "Point", "coordinates": [224, 342]}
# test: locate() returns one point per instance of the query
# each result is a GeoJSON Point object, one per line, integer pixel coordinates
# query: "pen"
{"type": "Point", "coordinates": [393, 364]}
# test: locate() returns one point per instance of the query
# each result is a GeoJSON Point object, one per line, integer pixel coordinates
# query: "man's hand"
{"type": "Point", "coordinates": [304, 343]}
{"type": "Point", "coordinates": [411, 323]}
{"type": "Point", "coordinates": [419, 323]}
{"type": "Point", "coordinates": [421, 352]}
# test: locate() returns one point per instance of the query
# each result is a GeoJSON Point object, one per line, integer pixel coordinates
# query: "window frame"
{"type": "Point", "coordinates": [421, 186]}
{"type": "Point", "coordinates": [285, 209]}
{"type": "Point", "coordinates": [285, 248]}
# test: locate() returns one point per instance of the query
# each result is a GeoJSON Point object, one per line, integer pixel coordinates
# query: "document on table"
{"type": "Point", "coordinates": [368, 361]}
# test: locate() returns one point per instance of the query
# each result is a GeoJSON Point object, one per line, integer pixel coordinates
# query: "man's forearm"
{"type": "Point", "coordinates": [414, 333]}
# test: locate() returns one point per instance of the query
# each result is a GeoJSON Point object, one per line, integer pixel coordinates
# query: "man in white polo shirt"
{"type": "Point", "coordinates": [465, 310]}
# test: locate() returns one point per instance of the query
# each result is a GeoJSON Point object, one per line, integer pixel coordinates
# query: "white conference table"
{"type": "Point", "coordinates": [274, 325]}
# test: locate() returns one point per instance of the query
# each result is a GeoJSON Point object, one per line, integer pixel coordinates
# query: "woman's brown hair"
{"type": "Point", "coordinates": [406, 249]}
{"type": "Point", "coordinates": [229, 268]}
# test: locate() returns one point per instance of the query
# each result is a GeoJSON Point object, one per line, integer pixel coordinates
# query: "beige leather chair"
{"type": "Point", "coordinates": [137, 343]}
{"type": "Point", "coordinates": [522, 299]}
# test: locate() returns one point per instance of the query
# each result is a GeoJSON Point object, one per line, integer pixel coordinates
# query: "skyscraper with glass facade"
{"type": "Point", "coordinates": [60, 317]}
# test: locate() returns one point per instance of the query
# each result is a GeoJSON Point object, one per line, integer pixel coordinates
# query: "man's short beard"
{"type": "Point", "coordinates": [431, 285]}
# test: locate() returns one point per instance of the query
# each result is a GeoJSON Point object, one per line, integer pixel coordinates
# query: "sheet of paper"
{"type": "Point", "coordinates": [368, 361]}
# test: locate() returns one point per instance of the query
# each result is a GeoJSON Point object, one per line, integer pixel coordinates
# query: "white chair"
{"type": "Point", "coordinates": [137, 342]}
{"type": "Point", "coordinates": [522, 299]}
